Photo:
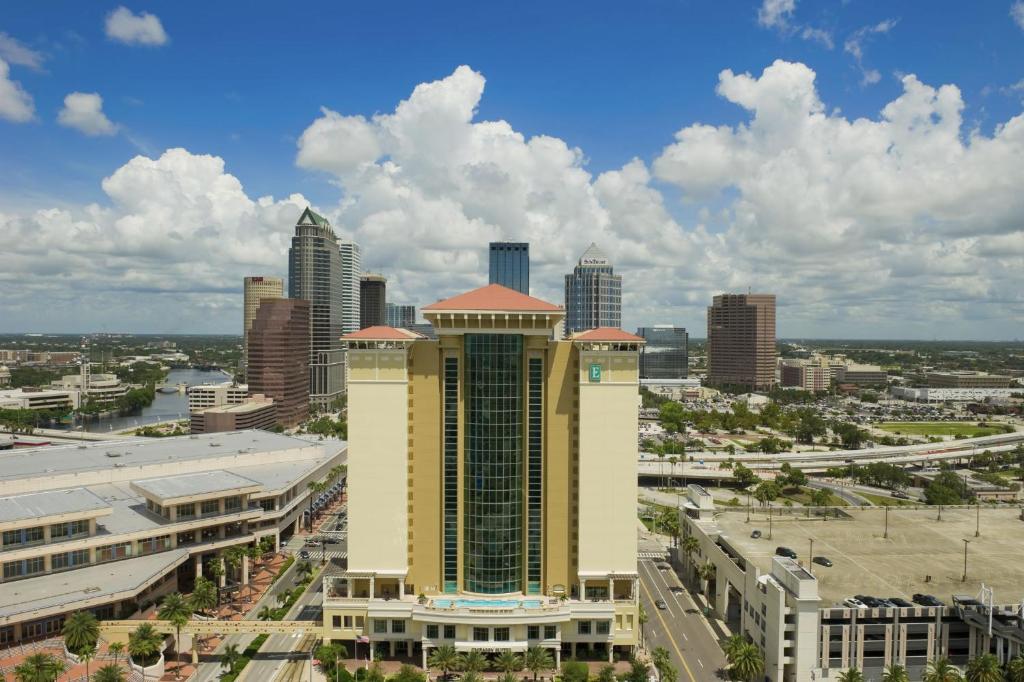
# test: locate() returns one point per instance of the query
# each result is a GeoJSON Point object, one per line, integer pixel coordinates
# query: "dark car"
{"type": "Point", "coordinates": [664, 567]}
{"type": "Point", "coordinates": [900, 602]}
{"type": "Point", "coordinates": [822, 561]}
{"type": "Point", "coordinates": [926, 600]}
{"type": "Point", "coordinates": [901, 495]}
{"type": "Point", "coordinates": [303, 554]}
{"type": "Point", "coordinates": [660, 603]}
{"type": "Point", "coordinates": [785, 551]}
{"type": "Point", "coordinates": [868, 601]}
{"type": "Point", "coordinates": [675, 589]}
{"type": "Point", "coordinates": [755, 534]}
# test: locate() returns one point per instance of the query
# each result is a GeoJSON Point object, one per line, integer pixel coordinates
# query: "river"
{"type": "Point", "coordinates": [166, 406]}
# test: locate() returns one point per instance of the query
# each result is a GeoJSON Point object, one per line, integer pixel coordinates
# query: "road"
{"type": "Point", "coordinates": [680, 629]}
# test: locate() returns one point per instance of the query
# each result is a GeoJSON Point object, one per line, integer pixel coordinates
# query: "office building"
{"type": "Point", "coordinates": [494, 473]}
{"type": "Point", "coordinates": [403, 316]}
{"type": "Point", "coordinates": [314, 275]}
{"type": "Point", "coordinates": [110, 527]}
{"type": "Point", "coordinates": [372, 300]}
{"type": "Point", "coordinates": [5, 376]}
{"type": "Point", "coordinates": [741, 340]}
{"type": "Point", "coordinates": [351, 272]}
{"type": "Point", "coordinates": [202, 396]}
{"type": "Point", "coordinates": [862, 375]}
{"type": "Point", "coordinates": [279, 357]}
{"type": "Point", "coordinates": [254, 290]}
{"type": "Point", "coordinates": [804, 375]}
{"type": "Point", "coordinates": [30, 398]}
{"type": "Point", "coordinates": [100, 388]}
{"type": "Point", "coordinates": [593, 294]}
{"type": "Point", "coordinates": [664, 353]}
{"type": "Point", "coordinates": [256, 412]}
{"type": "Point", "coordinates": [798, 613]}
{"type": "Point", "coordinates": [953, 395]}
{"type": "Point", "coordinates": [510, 265]}
{"type": "Point", "coordinates": [967, 380]}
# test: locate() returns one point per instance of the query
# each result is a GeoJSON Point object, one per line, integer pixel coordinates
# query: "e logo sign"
{"type": "Point", "coordinates": [595, 373]}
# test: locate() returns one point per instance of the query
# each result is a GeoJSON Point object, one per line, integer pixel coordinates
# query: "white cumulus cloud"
{"type": "Point", "coordinates": [15, 104]}
{"type": "Point", "coordinates": [83, 111]}
{"type": "Point", "coordinates": [143, 28]}
{"type": "Point", "coordinates": [775, 13]}
{"type": "Point", "coordinates": [15, 52]}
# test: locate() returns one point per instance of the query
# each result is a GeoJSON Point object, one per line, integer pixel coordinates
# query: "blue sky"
{"type": "Point", "coordinates": [614, 80]}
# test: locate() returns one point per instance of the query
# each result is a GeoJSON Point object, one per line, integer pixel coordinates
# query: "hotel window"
{"type": "Point", "coordinates": [480, 634]}
{"type": "Point", "coordinates": [61, 531]}
{"type": "Point", "coordinates": [112, 552]}
{"type": "Point", "coordinates": [550, 632]}
{"type": "Point", "coordinates": [157, 544]}
{"type": "Point", "coordinates": [532, 632]}
{"type": "Point", "coordinates": [398, 626]}
{"type": "Point", "coordinates": [431, 632]}
{"type": "Point", "coordinates": [449, 632]}
{"type": "Point", "coordinates": [335, 621]}
{"type": "Point", "coordinates": [60, 562]}
{"type": "Point", "coordinates": [583, 627]}
{"type": "Point", "coordinates": [210, 508]}
{"type": "Point", "coordinates": [186, 538]}
{"type": "Point", "coordinates": [348, 621]}
{"type": "Point", "coordinates": [501, 634]}
{"type": "Point", "coordinates": [451, 474]}
{"type": "Point", "coordinates": [534, 475]}
{"type": "Point", "coordinates": [186, 511]}
{"type": "Point", "coordinates": [233, 504]}
{"type": "Point", "coordinates": [602, 627]}
{"type": "Point", "coordinates": [380, 626]}
{"type": "Point", "coordinates": [24, 568]}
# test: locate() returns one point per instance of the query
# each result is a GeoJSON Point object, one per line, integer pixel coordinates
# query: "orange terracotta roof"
{"type": "Point", "coordinates": [605, 334]}
{"type": "Point", "coordinates": [381, 333]}
{"type": "Point", "coordinates": [494, 297]}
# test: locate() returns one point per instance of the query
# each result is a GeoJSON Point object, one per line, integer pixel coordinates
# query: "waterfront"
{"type": "Point", "coordinates": [165, 407]}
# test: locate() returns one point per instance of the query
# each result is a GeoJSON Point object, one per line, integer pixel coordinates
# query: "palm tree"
{"type": "Point", "coordinates": [216, 569]}
{"type": "Point", "coordinates": [265, 613]}
{"type": "Point", "coordinates": [508, 662]}
{"type": "Point", "coordinates": [204, 595]}
{"type": "Point", "coordinates": [116, 648]}
{"type": "Point", "coordinates": [747, 663]}
{"type": "Point", "coordinates": [81, 632]}
{"type": "Point", "coordinates": [732, 645]}
{"type": "Point", "coordinates": [443, 658]}
{"type": "Point", "coordinates": [144, 644]}
{"type": "Point", "coordinates": [109, 673]}
{"type": "Point", "coordinates": [39, 668]}
{"type": "Point", "coordinates": [895, 673]}
{"type": "Point", "coordinates": [851, 675]}
{"type": "Point", "coordinates": [642, 620]}
{"type": "Point", "coordinates": [538, 660]}
{"type": "Point", "coordinates": [315, 488]}
{"type": "Point", "coordinates": [941, 670]}
{"type": "Point", "coordinates": [707, 573]}
{"type": "Point", "coordinates": [86, 656]}
{"type": "Point", "coordinates": [472, 662]}
{"type": "Point", "coordinates": [175, 609]}
{"type": "Point", "coordinates": [984, 668]}
{"type": "Point", "coordinates": [230, 658]}
{"type": "Point", "coordinates": [472, 676]}
{"type": "Point", "coordinates": [508, 677]}
{"type": "Point", "coordinates": [690, 546]}
{"type": "Point", "coordinates": [305, 569]}
{"type": "Point", "coordinates": [1015, 670]}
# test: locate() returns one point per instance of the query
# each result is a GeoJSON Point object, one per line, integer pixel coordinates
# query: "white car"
{"type": "Point", "coordinates": [854, 603]}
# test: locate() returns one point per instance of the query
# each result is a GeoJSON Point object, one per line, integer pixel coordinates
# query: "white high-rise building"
{"type": "Point", "coordinates": [351, 269]}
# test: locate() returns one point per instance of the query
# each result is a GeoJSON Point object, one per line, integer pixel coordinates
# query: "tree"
{"type": "Point", "coordinates": [707, 574]}
{"type": "Point", "coordinates": [471, 676]}
{"type": "Point", "coordinates": [574, 671]}
{"type": "Point", "coordinates": [606, 674]}
{"type": "Point", "coordinates": [472, 662]}
{"type": "Point", "coordinates": [690, 546]}
{"type": "Point", "coordinates": [744, 476]}
{"type": "Point", "coordinates": [204, 595]}
{"type": "Point", "coordinates": [230, 658]}
{"type": "Point", "coordinates": [81, 631]}
{"type": "Point", "coordinates": [265, 613]}
{"type": "Point", "coordinates": [642, 619]}
{"type": "Point", "coordinates": [39, 668]}
{"type": "Point", "coordinates": [941, 670]}
{"type": "Point", "coordinates": [1015, 670]}
{"type": "Point", "coordinates": [821, 497]}
{"type": "Point", "coordinates": [766, 491]}
{"type": "Point", "coordinates": [305, 569]}
{"type": "Point", "coordinates": [895, 673]}
{"type": "Point", "coordinates": [747, 663]}
{"type": "Point", "coordinates": [947, 488]}
{"type": "Point", "coordinates": [637, 671]}
{"type": "Point", "coordinates": [109, 673]}
{"type": "Point", "coordinates": [216, 569]}
{"type": "Point", "coordinates": [984, 668]}
{"type": "Point", "coordinates": [443, 658]}
{"type": "Point", "coordinates": [144, 645]}
{"type": "Point", "coordinates": [116, 648]}
{"type": "Point", "coordinates": [732, 645]}
{"type": "Point", "coordinates": [851, 675]}
{"type": "Point", "coordinates": [175, 610]}
{"type": "Point", "coordinates": [315, 488]}
{"type": "Point", "coordinates": [508, 662]}
{"type": "Point", "coordinates": [671, 415]}
{"type": "Point", "coordinates": [407, 673]}
{"type": "Point", "coordinates": [86, 656]}
{"type": "Point", "coordinates": [538, 660]}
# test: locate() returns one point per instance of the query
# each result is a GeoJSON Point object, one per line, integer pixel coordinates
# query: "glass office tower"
{"type": "Point", "coordinates": [510, 265]}
{"type": "Point", "coordinates": [664, 355]}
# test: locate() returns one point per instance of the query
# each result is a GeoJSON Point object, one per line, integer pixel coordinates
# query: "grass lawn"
{"type": "Point", "coordinates": [883, 501]}
{"type": "Point", "coordinates": [967, 429]}
{"type": "Point", "coordinates": [803, 496]}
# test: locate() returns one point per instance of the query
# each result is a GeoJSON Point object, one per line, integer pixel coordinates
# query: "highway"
{"type": "Point", "coordinates": [680, 628]}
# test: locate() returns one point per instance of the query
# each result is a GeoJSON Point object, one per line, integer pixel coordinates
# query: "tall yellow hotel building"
{"type": "Point", "coordinates": [492, 478]}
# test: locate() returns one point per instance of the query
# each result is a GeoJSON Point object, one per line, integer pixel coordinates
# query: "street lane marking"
{"type": "Point", "coordinates": [668, 632]}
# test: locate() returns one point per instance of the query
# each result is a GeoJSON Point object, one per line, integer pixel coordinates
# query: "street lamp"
{"type": "Point", "coordinates": [977, 521]}
{"type": "Point", "coordinates": [886, 535]}
{"type": "Point", "coordinates": [810, 558]}
{"type": "Point", "coordinates": [966, 542]}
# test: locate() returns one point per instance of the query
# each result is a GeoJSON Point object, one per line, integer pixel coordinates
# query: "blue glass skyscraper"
{"type": "Point", "coordinates": [510, 265]}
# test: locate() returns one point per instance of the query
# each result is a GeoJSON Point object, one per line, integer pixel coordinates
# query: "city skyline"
{"type": "Point", "coordinates": [820, 151]}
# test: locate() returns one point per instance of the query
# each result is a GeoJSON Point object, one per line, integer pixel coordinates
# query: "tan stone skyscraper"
{"type": "Point", "coordinates": [255, 289]}
{"type": "Point", "coordinates": [492, 471]}
{"type": "Point", "coordinates": [741, 340]}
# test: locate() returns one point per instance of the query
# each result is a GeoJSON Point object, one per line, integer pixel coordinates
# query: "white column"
{"type": "Point", "coordinates": [245, 569]}
{"type": "Point", "coordinates": [199, 565]}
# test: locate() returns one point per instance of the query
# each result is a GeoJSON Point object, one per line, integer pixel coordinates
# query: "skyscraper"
{"type": "Point", "coordinates": [255, 289]}
{"type": "Point", "coordinates": [741, 340]}
{"type": "Point", "coordinates": [493, 460]}
{"type": "Point", "coordinates": [314, 275]}
{"type": "Point", "coordinates": [279, 357]}
{"type": "Point", "coordinates": [664, 353]}
{"type": "Point", "coordinates": [510, 265]}
{"type": "Point", "coordinates": [372, 299]}
{"type": "Point", "coordinates": [351, 271]}
{"type": "Point", "coordinates": [593, 294]}
{"type": "Point", "coordinates": [399, 315]}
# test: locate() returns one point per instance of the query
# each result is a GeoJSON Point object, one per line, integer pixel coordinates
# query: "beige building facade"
{"type": "Point", "coordinates": [493, 471]}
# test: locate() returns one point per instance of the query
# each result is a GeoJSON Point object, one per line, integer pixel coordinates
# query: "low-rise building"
{"type": "Point", "coordinates": [5, 376]}
{"type": "Point", "coordinates": [258, 412]}
{"type": "Point", "coordinates": [111, 526]}
{"type": "Point", "coordinates": [30, 398]}
{"type": "Point", "coordinates": [202, 396]}
{"type": "Point", "coordinates": [967, 380]}
{"type": "Point", "coordinates": [862, 375]}
{"type": "Point", "coordinates": [953, 395]}
{"type": "Point", "coordinates": [98, 388]}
